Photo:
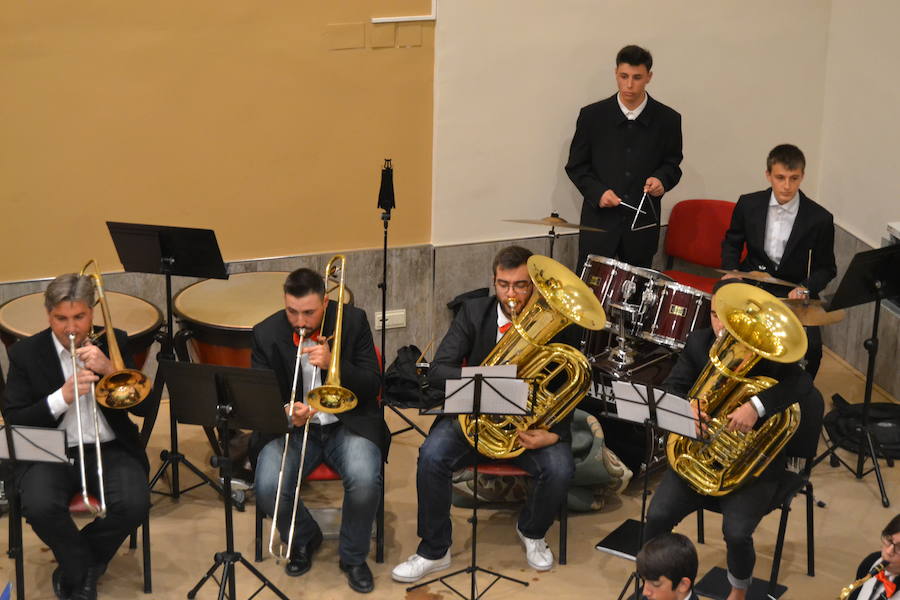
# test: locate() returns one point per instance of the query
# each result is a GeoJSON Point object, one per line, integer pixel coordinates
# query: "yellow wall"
{"type": "Point", "coordinates": [266, 121]}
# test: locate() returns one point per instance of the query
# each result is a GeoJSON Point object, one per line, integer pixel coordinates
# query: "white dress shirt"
{"type": "Point", "coordinates": [312, 378]}
{"type": "Point", "coordinates": [502, 320]}
{"type": "Point", "coordinates": [779, 223]}
{"type": "Point", "coordinates": [58, 406]}
{"type": "Point", "coordinates": [632, 114]}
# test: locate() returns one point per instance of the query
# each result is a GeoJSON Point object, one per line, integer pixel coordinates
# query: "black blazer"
{"type": "Point", "coordinates": [793, 382]}
{"type": "Point", "coordinates": [610, 152]}
{"type": "Point", "coordinates": [863, 569]}
{"type": "Point", "coordinates": [35, 373]}
{"type": "Point", "coordinates": [273, 348]}
{"type": "Point", "coordinates": [813, 231]}
{"type": "Point", "coordinates": [471, 337]}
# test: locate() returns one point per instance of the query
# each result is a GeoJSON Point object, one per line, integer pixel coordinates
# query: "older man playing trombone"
{"type": "Point", "coordinates": [47, 388]}
{"type": "Point", "coordinates": [296, 343]}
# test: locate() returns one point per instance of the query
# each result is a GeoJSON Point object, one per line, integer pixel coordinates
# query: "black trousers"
{"type": "Point", "coordinates": [742, 510]}
{"type": "Point", "coordinates": [633, 247]}
{"type": "Point", "coordinates": [46, 488]}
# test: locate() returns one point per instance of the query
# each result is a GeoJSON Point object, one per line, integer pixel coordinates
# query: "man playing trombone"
{"type": "Point", "coordinates": [43, 376]}
{"type": "Point", "coordinates": [295, 344]}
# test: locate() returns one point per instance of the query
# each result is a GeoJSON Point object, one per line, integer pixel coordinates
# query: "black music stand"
{"type": "Point", "coordinates": [468, 401]}
{"type": "Point", "coordinates": [20, 443]}
{"type": "Point", "coordinates": [658, 413]}
{"type": "Point", "coordinates": [872, 276]}
{"type": "Point", "coordinates": [227, 397]}
{"type": "Point", "coordinates": [169, 251]}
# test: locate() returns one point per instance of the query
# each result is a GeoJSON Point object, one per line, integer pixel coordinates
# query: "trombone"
{"type": "Point", "coordinates": [329, 398]}
{"type": "Point", "coordinates": [123, 388]}
{"type": "Point", "coordinates": [89, 502]}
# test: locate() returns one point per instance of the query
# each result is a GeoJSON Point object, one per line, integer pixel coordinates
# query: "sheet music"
{"type": "Point", "coordinates": [498, 396]}
{"type": "Point", "coordinates": [631, 405]}
{"type": "Point", "coordinates": [675, 414]}
{"type": "Point", "coordinates": [35, 444]}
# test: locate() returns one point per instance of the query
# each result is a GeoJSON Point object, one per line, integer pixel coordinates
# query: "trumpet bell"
{"type": "Point", "coordinates": [331, 399]}
{"type": "Point", "coordinates": [123, 389]}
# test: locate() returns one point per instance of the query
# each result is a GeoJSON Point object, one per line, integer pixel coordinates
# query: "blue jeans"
{"type": "Point", "coordinates": [446, 450]}
{"type": "Point", "coordinates": [356, 459]}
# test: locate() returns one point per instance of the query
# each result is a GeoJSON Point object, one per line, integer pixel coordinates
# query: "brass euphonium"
{"type": "Point", "coordinates": [757, 325]}
{"type": "Point", "coordinates": [848, 590]}
{"type": "Point", "coordinates": [560, 373]}
{"type": "Point", "coordinates": [123, 388]}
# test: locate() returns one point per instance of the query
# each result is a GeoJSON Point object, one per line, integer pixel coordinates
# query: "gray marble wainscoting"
{"type": "Point", "coordinates": [423, 278]}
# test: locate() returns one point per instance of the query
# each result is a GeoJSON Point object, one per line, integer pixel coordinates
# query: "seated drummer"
{"type": "Point", "coordinates": [353, 443]}
{"type": "Point", "coordinates": [41, 393]}
{"type": "Point", "coordinates": [477, 328]}
{"type": "Point", "coordinates": [787, 235]}
{"type": "Point", "coordinates": [743, 508]}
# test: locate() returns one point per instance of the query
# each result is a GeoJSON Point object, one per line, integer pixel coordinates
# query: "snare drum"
{"type": "Point", "coordinates": [678, 310]}
{"type": "Point", "coordinates": [620, 285]}
{"type": "Point", "coordinates": [219, 314]}
{"type": "Point", "coordinates": [26, 316]}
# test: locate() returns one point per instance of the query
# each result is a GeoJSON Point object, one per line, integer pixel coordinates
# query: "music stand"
{"type": "Point", "coordinates": [471, 398]}
{"type": "Point", "coordinates": [20, 443]}
{"type": "Point", "coordinates": [872, 276]}
{"type": "Point", "coordinates": [227, 397]}
{"type": "Point", "coordinates": [169, 251]}
{"type": "Point", "coordinates": [658, 411]}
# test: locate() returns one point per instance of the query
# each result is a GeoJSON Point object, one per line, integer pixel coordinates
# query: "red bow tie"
{"type": "Point", "coordinates": [889, 586]}
{"type": "Point", "coordinates": [314, 336]}
{"type": "Point", "coordinates": [505, 328]}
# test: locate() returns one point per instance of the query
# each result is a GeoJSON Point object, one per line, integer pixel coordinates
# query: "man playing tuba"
{"type": "Point", "coordinates": [744, 507]}
{"type": "Point", "coordinates": [477, 328]}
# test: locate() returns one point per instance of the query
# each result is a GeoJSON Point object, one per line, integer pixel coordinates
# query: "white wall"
{"type": "Point", "coordinates": [860, 174]}
{"type": "Point", "coordinates": [510, 76]}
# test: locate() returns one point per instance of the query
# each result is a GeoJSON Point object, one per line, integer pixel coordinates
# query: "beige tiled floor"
{"type": "Point", "coordinates": [187, 533]}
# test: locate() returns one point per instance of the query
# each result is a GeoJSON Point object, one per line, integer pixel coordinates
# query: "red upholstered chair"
{"type": "Point", "coordinates": [695, 233]}
{"type": "Point", "coordinates": [500, 468]}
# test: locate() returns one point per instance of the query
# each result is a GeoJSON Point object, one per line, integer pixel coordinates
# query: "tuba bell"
{"type": "Point", "coordinates": [123, 388]}
{"type": "Point", "coordinates": [757, 325]}
{"type": "Point", "coordinates": [561, 298]}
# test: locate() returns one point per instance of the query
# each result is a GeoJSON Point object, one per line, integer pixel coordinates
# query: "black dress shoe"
{"type": "Point", "coordinates": [301, 557]}
{"type": "Point", "coordinates": [359, 577]}
{"type": "Point", "coordinates": [88, 588]}
{"type": "Point", "coordinates": [61, 592]}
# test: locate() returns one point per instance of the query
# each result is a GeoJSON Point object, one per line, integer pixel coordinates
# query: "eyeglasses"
{"type": "Point", "coordinates": [887, 542]}
{"type": "Point", "coordinates": [519, 287]}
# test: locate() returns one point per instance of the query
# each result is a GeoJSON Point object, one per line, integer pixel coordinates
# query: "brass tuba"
{"type": "Point", "coordinates": [123, 388]}
{"type": "Point", "coordinates": [757, 325]}
{"type": "Point", "coordinates": [562, 298]}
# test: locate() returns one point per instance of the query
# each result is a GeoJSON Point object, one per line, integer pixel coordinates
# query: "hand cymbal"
{"type": "Point", "coordinates": [759, 276]}
{"type": "Point", "coordinates": [553, 221]}
{"type": "Point", "coordinates": [812, 312]}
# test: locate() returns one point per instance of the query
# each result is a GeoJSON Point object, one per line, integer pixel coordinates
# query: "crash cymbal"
{"type": "Point", "coordinates": [554, 221]}
{"type": "Point", "coordinates": [812, 312]}
{"type": "Point", "coordinates": [759, 276]}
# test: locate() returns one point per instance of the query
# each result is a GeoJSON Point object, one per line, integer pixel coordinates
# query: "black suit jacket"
{"type": "Point", "coordinates": [610, 152]}
{"type": "Point", "coordinates": [273, 348]}
{"type": "Point", "coordinates": [813, 231]}
{"type": "Point", "coordinates": [863, 569]}
{"type": "Point", "coordinates": [471, 337]}
{"type": "Point", "coordinates": [794, 384]}
{"type": "Point", "coordinates": [35, 373]}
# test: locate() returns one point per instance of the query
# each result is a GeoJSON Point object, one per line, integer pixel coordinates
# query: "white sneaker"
{"type": "Point", "coordinates": [416, 567]}
{"type": "Point", "coordinates": [537, 553]}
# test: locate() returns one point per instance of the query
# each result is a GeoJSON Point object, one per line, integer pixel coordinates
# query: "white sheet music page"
{"type": "Point", "coordinates": [501, 392]}
{"type": "Point", "coordinates": [675, 414]}
{"type": "Point", "coordinates": [631, 405]}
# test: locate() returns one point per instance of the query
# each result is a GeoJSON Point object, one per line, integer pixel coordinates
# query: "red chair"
{"type": "Point", "coordinates": [695, 233]}
{"type": "Point", "coordinates": [500, 468]}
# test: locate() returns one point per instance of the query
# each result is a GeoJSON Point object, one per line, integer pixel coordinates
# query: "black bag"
{"type": "Point", "coordinates": [405, 384]}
